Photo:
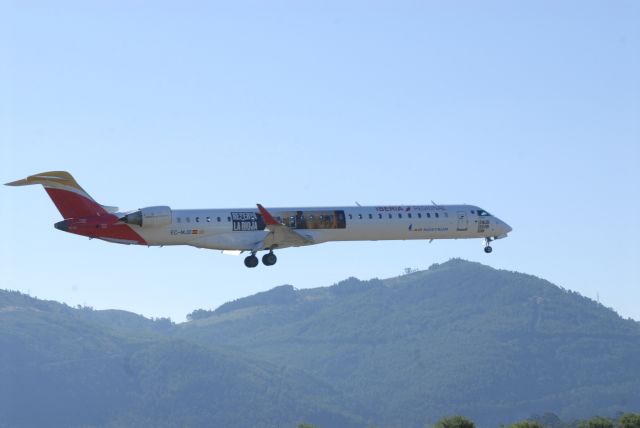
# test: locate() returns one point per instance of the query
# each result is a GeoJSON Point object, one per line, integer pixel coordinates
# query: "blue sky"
{"type": "Point", "coordinates": [530, 110]}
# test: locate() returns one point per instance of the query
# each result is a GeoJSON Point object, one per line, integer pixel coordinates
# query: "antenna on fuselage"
{"type": "Point", "coordinates": [434, 203]}
{"type": "Point", "coordinates": [358, 204]}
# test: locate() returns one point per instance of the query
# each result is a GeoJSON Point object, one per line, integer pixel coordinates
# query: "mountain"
{"type": "Point", "coordinates": [65, 367]}
{"type": "Point", "coordinates": [459, 338]}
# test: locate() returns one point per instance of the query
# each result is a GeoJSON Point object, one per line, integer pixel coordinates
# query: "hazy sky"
{"type": "Point", "coordinates": [530, 110]}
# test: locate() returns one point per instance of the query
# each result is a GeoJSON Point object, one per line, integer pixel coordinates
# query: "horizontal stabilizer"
{"type": "Point", "coordinates": [50, 179]}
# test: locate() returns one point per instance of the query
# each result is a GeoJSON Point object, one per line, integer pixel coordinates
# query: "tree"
{"type": "Point", "coordinates": [526, 424]}
{"type": "Point", "coordinates": [454, 422]}
{"type": "Point", "coordinates": [549, 420]}
{"type": "Point", "coordinates": [629, 420]}
{"type": "Point", "coordinates": [199, 314]}
{"type": "Point", "coordinates": [596, 422]}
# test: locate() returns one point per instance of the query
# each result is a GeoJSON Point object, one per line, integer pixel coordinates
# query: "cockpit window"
{"type": "Point", "coordinates": [483, 213]}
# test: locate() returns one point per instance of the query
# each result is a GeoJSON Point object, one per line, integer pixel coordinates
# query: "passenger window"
{"type": "Point", "coordinates": [390, 215]}
{"type": "Point", "coordinates": [208, 219]}
{"type": "Point", "coordinates": [179, 220]}
{"type": "Point", "coordinates": [419, 215]}
{"type": "Point", "coordinates": [350, 217]}
{"type": "Point", "coordinates": [437, 215]}
{"type": "Point", "coordinates": [219, 219]}
{"type": "Point", "coordinates": [228, 218]}
{"type": "Point", "coordinates": [473, 212]}
{"type": "Point", "coordinates": [399, 215]}
{"type": "Point", "coordinates": [409, 215]}
{"type": "Point", "coordinates": [370, 216]}
{"type": "Point", "coordinates": [360, 216]}
{"type": "Point", "coordinates": [380, 216]}
{"type": "Point", "coordinates": [428, 215]}
{"type": "Point", "coordinates": [197, 219]}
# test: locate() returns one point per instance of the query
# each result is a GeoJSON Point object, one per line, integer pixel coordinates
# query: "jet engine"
{"type": "Point", "coordinates": [149, 217]}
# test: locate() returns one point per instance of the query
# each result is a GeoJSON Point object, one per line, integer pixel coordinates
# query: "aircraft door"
{"type": "Point", "coordinates": [463, 221]}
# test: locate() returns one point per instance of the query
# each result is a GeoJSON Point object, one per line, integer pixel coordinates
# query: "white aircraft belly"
{"type": "Point", "coordinates": [223, 239]}
{"type": "Point", "coordinates": [231, 240]}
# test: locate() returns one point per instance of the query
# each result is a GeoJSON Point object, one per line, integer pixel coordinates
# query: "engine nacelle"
{"type": "Point", "coordinates": [149, 217]}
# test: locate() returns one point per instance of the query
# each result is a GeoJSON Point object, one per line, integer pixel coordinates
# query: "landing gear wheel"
{"type": "Point", "coordinates": [487, 245]}
{"type": "Point", "coordinates": [269, 259]}
{"type": "Point", "coordinates": [251, 261]}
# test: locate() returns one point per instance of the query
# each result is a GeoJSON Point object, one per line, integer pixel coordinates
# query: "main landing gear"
{"type": "Point", "coordinates": [487, 245]}
{"type": "Point", "coordinates": [268, 259]}
{"type": "Point", "coordinates": [251, 261]}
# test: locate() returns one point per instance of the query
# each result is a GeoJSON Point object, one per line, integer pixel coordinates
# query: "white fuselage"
{"type": "Point", "coordinates": [243, 229]}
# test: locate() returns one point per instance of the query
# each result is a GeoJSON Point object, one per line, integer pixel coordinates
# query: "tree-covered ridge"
{"type": "Point", "coordinates": [495, 345]}
{"type": "Point", "coordinates": [459, 338]}
{"type": "Point", "coordinates": [63, 367]}
{"type": "Point", "coordinates": [550, 420]}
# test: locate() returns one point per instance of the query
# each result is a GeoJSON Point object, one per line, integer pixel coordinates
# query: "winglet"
{"type": "Point", "coordinates": [268, 218]}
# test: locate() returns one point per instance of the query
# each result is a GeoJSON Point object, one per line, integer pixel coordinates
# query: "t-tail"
{"type": "Point", "coordinates": [82, 214]}
{"type": "Point", "coordinates": [71, 200]}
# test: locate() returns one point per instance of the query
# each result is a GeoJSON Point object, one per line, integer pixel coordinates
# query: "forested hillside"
{"type": "Point", "coordinates": [459, 338]}
{"type": "Point", "coordinates": [64, 367]}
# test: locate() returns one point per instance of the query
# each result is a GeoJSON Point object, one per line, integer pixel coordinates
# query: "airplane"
{"type": "Point", "coordinates": [251, 230]}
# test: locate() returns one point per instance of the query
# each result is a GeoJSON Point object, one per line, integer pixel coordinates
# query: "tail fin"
{"type": "Point", "coordinates": [65, 192]}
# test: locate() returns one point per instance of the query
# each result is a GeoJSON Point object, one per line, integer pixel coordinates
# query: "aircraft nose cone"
{"type": "Point", "coordinates": [62, 225]}
{"type": "Point", "coordinates": [507, 228]}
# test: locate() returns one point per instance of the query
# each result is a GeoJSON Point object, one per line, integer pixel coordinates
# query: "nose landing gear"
{"type": "Point", "coordinates": [487, 245]}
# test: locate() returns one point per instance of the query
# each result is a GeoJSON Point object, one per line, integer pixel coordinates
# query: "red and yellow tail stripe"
{"type": "Point", "coordinates": [82, 214]}
{"type": "Point", "coordinates": [65, 192]}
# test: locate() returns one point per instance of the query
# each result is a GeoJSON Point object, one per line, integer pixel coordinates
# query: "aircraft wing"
{"type": "Point", "coordinates": [281, 236]}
